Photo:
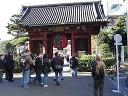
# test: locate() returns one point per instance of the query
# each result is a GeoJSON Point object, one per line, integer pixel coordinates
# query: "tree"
{"type": "Point", "coordinates": [106, 36]}
{"type": "Point", "coordinates": [4, 46]}
{"type": "Point", "coordinates": [15, 27]}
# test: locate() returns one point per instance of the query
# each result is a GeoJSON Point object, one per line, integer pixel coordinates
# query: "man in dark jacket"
{"type": "Point", "coordinates": [1, 67]}
{"type": "Point", "coordinates": [9, 65]}
{"type": "Point", "coordinates": [57, 65]}
{"type": "Point", "coordinates": [38, 68]}
{"type": "Point", "coordinates": [74, 65]}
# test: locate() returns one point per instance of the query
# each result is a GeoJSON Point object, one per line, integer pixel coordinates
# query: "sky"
{"type": "Point", "coordinates": [11, 7]}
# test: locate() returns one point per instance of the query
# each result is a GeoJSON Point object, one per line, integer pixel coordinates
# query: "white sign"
{"type": "Point", "coordinates": [116, 7]}
{"type": "Point", "coordinates": [118, 39]}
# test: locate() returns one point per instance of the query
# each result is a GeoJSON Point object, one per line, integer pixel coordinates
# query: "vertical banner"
{"type": "Point", "coordinates": [115, 7]}
{"type": "Point", "coordinates": [64, 41]}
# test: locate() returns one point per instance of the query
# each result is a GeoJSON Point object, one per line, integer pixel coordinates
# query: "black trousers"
{"type": "Point", "coordinates": [9, 74]}
{"type": "Point", "coordinates": [98, 87]}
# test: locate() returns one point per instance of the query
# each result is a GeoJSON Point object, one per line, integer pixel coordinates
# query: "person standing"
{"type": "Point", "coordinates": [46, 70]}
{"type": "Point", "coordinates": [26, 65]}
{"type": "Point", "coordinates": [74, 65]}
{"type": "Point", "coordinates": [1, 67]}
{"type": "Point", "coordinates": [98, 74]}
{"type": "Point", "coordinates": [57, 65]}
{"type": "Point", "coordinates": [9, 66]}
{"type": "Point", "coordinates": [38, 68]}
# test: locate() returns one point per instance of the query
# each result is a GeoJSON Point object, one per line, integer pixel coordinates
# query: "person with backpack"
{"type": "Point", "coordinates": [74, 65]}
{"type": "Point", "coordinates": [98, 74]}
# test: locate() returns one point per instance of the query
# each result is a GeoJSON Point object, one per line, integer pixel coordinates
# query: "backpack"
{"type": "Point", "coordinates": [73, 63]}
{"type": "Point", "coordinates": [101, 73]}
{"type": "Point", "coordinates": [96, 75]}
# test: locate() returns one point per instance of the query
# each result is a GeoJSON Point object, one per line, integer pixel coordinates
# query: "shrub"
{"type": "Point", "coordinates": [109, 61]}
{"type": "Point", "coordinates": [85, 62]}
{"type": "Point", "coordinates": [17, 68]}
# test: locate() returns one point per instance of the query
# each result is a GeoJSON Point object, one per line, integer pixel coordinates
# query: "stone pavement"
{"type": "Point", "coordinates": [80, 86]}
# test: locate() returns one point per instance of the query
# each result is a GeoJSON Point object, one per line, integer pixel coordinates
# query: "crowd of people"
{"type": "Point", "coordinates": [42, 64]}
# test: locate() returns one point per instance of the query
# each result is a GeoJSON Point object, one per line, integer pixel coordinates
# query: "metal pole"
{"type": "Point", "coordinates": [127, 29]}
{"type": "Point", "coordinates": [117, 65]}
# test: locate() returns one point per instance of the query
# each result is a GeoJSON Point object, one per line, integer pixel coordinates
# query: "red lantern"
{"type": "Point", "coordinates": [60, 41]}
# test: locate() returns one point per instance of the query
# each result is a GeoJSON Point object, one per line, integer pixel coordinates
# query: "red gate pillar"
{"type": "Point", "coordinates": [72, 43]}
{"type": "Point", "coordinates": [48, 45]}
{"type": "Point", "coordinates": [89, 43]}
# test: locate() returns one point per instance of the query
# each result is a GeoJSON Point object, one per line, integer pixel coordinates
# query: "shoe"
{"type": "Point", "coordinates": [62, 79]}
{"type": "Point", "coordinates": [57, 83]}
{"type": "Point", "coordinates": [11, 80]}
{"type": "Point", "coordinates": [45, 85]}
{"type": "Point", "coordinates": [25, 87]}
{"type": "Point", "coordinates": [6, 78]}
{"type": "Point", "coordinates": [41, 83]}
{"type": "Point", "coordinates": [54, 79]}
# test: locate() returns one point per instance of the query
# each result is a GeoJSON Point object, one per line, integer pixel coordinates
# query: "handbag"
{"type": "Point", "coordinates": [58, 67]}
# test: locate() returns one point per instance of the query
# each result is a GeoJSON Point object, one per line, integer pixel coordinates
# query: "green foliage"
{"type": "Point", "coordinates": [86, 61]}
{"type": "Point", "coordinates": [109, 61]}
{"type": "Point", "coordinates": [105, 38]}
{"type": "Point", "coordinates": [18, 41]}
{"type": "Point", "coordinates": [4, 46]}
{"type": "Point", "coordinates": [105, 50]}
{"type": "Point", "coordinates": [15, 25]}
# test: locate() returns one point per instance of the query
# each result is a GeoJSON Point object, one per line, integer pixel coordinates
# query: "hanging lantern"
{"type": "Point", "coordinates": [60, 41]}
{"type": "Point", "coordinates": [57, 40]}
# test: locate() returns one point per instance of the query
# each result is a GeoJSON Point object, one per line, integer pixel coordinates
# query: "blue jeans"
{"type": "Point", "coordinates": [25, 78]}
{"type": "Point", "coordinates": [74, 72]}
{"type": "Point", "coordinates": [58, 76]}
{"type": "Point", "coordinates": [45, 79]}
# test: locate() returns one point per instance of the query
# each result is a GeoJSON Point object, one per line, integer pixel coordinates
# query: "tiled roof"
{"type": "Point", "coordinates": [58, 14]}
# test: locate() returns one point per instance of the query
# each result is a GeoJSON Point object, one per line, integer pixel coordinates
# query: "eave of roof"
{"type": "Point", "coordinates": [63, 14]}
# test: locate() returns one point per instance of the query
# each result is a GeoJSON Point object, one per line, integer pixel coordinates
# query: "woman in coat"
{"type": "Point", "coordinates": [46, 69]}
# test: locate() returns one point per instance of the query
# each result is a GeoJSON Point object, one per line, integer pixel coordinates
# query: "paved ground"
{"type": "Point", "coordinates": [81, 86]}
{"type": "Point", "coordinates": [122, 79]}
